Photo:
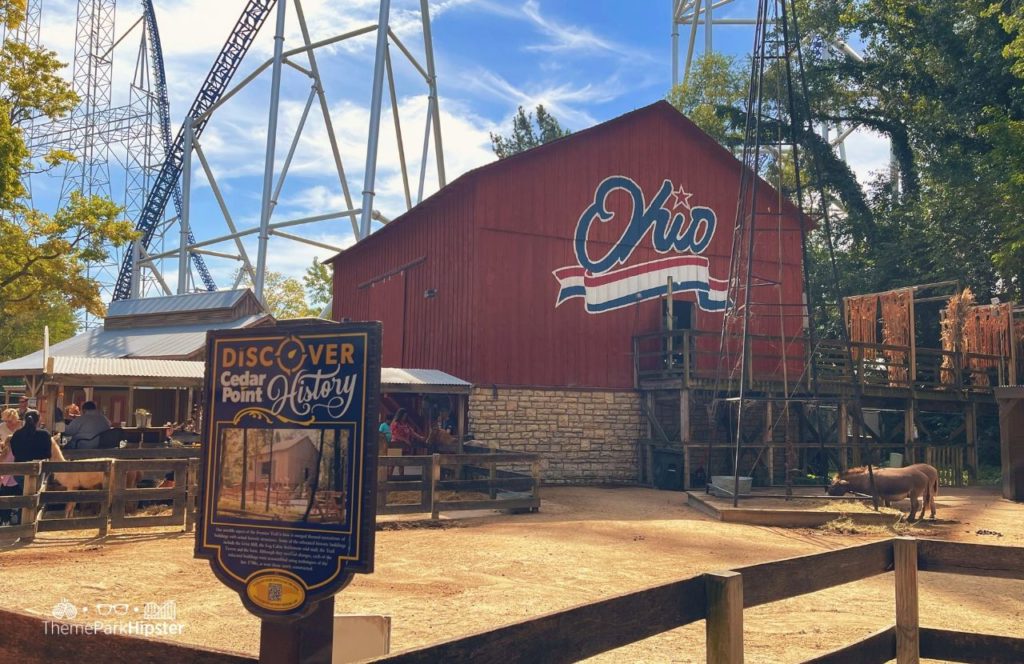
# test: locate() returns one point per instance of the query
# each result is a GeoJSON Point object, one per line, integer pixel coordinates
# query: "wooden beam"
{"type": "Point", "coordinates": [842, 425]}
{"type": "Point", "coordinates": [576, 633]}
{"type": "Point", "coordinates": [791, 577]}
{"type": "Point", "coordinates": [1005, 562]}
{"type": "Point", "coordinates": [949, 646]}
{"type": "Point", "coordinates": [724, 624]}
{"type": "Point", "coordinates": [907, 620]}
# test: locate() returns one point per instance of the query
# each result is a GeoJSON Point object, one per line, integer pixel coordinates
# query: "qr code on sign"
{"type": "Point", "coordinates": [274, 592]}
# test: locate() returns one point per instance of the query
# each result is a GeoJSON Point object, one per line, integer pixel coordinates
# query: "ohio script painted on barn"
{"type": "Point", "coordinates": [288, 502]}
{"type": "Point", "coordinates": [674, 227]}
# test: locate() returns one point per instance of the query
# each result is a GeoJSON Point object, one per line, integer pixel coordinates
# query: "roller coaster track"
{"type": "Point", "coordinates": [166, 185]}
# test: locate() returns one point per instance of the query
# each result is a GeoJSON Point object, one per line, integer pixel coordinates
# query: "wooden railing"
{"type": "Point", "coordinates": [719, 599]}
{"type": "Point", "coordinates": [446, 482]}
{"type": "Point", "coordinates": [114, 498]}
{"type": "Point", "coordinates": [697, 359]}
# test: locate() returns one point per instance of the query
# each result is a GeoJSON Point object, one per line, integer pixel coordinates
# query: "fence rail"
{"type": "Point", "coordinates": [114, 497]}
{"type": "Point", "coordinates": [695, 357]}
{"type": "Point", "coordinates": [479, 478]}
{"type": "Point", "coordinates": [719, 599]}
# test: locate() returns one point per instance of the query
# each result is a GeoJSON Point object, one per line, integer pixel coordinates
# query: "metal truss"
{"type": "Point", "coordinates": [706, 17]}
{"type": "Point", "coordinates": [135, 135]}
{"type": "Point", "coordinates": [302, 59]}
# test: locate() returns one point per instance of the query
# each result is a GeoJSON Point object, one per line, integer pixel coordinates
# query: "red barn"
{"type": "Point", "coordinates": [530, 276]}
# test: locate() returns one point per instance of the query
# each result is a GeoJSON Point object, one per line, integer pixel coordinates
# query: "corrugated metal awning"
{"type": "Point", "coordinates": [421, 380]}
{"type": "Point", "coordinates": [115, 371]}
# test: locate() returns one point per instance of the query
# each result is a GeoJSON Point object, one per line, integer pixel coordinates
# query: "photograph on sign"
{"type": "Point", "coordinates": [296, 475]}
{"type": "Point", "coordinates": [289, 477]}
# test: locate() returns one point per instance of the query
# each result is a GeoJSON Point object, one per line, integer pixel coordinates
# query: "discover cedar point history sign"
{"type": "Point", "coordinates": [288, 495]}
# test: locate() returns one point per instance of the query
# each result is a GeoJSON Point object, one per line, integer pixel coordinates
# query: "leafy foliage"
{"type": "Point", "coordinates": [524, 136]}
{"type": "Point", "coordinates": [43, 266]}
{"type": "Point", "coordinates": [318, 282]}
{"type": "Point", "coordinates": [941, 80]}
{"type": "Point", "coordinates": [715, 88]}
{"type": "Point", "coordinates": [284, 296]}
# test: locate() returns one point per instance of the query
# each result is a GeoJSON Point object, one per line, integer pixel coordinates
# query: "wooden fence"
{"type": "Point", "coordinates": [949, 461]}
{"type": "Point", "coordinates": [479, 478]}
{"type": "Point", "coordinates": [719, 599]}
{"type": "Point", "coordinates": [115, 499]}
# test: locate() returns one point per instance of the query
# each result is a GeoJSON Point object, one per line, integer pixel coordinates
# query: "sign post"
{"type": "Point", "coordinates": [288, 488]}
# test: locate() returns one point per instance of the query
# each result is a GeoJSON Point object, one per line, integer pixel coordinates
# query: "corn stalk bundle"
{"type": "Point", "coordinates": [954, 318]}
{"type": "Point", "coordinates": [862, 322]}
{"type": "Point", "coordinates": [986, 331]}
{"type": "Point", "coordinates": [896, 332]}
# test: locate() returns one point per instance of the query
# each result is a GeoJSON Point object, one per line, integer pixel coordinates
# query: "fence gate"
{"type": "Point", "coordinates": [949, 461]}
{"type": "Point", "coordinates": [124, 498]}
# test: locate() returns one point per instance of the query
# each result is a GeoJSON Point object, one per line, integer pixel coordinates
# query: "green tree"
{"type": "Point", "coordinates": [528, 134]}
{"type": "Point", "coordinates": [43, 271]}
{"type": "Point", "coordinates": [717, 85]}
{"type": "Point", "coordinates": [318, 281]}
{"type": "Point", "coordinates": [938, 79]}
{"type": "Point", "coordinates": [284, 296]}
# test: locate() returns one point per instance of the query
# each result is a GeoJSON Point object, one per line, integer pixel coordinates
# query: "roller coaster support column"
{"type": "Point", "coordinates": [375, 104]}
{"type": "Point", "coordinates": [428, 42]}
{"type": "Point", "coordinates": [186, 189]}
{"type": "Point", "coordinates": [268, 172]}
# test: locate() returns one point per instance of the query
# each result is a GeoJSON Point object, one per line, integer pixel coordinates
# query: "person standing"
{"type": "Point", "coordinates": [30, 442]}
{"type": "Point", "coordinates": [402, 433]}
{"type": "Point", "coordinates": [9, 424]}
{"type": "Point", "coordinates": [85, 430]}
{"type": "Point", "coordinates": [22, 407]}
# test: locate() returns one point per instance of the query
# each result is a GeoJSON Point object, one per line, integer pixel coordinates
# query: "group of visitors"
{"type": "Point", "coordinates": [22, 438]}
{"type": "Point", "coordinates": [399, 433]}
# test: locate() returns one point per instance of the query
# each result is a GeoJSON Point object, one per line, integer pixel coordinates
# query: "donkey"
{"type": "Point", "coordinates": [933, 479]}
{"type": "Point", "coordinates": [891, 484]}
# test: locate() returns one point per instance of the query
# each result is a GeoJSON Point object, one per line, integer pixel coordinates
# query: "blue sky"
{"type": "Point", "coordinates": [586, 60]}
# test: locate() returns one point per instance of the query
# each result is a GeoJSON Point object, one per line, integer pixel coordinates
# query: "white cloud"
{"type": "Point", "coordinates": [867, 153]}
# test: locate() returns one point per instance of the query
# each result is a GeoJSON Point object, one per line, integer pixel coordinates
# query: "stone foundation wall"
{"type": "Point", "coordinates": [584, 436]}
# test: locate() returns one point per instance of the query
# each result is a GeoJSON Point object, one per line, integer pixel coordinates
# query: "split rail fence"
{"type": "Point", "coordinates": [719, 599]}
{"type": "Point", "coordinates": [115, 499]}
{"type": "Point", "coordinates": [480, 478]}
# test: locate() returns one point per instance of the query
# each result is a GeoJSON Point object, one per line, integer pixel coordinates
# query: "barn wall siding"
{"type": "Point", "coordinates": [485, 249]}
{"type": "Point", "coordinates": [584, 436]}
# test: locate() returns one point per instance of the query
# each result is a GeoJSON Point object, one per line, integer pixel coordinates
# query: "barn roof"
{"type": "Point", "coordinates": [170, 342]}
{"type": "Point", "coordinates": [660, 109]}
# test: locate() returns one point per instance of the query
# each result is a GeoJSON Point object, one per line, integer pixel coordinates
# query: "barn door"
{"type": "Point", "coordinates": [387, 304]}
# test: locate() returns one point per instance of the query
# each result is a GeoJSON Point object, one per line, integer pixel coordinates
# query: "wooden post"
{"type": "Point", "coordinates": [909, 451]}
{"type": "Point", "coordinates": [724, 623]}
{"type": "Point", "coordinates": [535, 471]}
{"type": "Point", "coordinates": [971, 430]}
{"type": "Point", "coordinates": [912, 371]}
{"type": "Point", "coordinates": [842, 431]}
{"type": "Point", "coordinates": [636, 363]}
{"type": "Point", "coordinates": [684, 433]}
{"type": "Point", "coordinates": [669, 322]}
{"type": "Point", "coordinates": [110, 482]}
{"type": "Point", "coordinates": [306, 640]}
{"type": "Point", "coordinates": [462, 404]}
{"type": "Point", "coordinates": [856, 439]}
{"type": "Point", "coordinates": [192, 485]}
{"type": "Point", "coordinates": [687, 342]}
{"type": "Point", "coordinates": [907, 628]}
{"type": "Point", "coordinates": [130, 411]}
{"type": "Point", "coordinates": [435, 477]}
{"type": "Point", "coordinates": [30, 515]}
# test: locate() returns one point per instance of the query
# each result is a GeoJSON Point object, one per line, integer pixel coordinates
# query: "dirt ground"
{"type": "Point", "coordinates": [467, 574]}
